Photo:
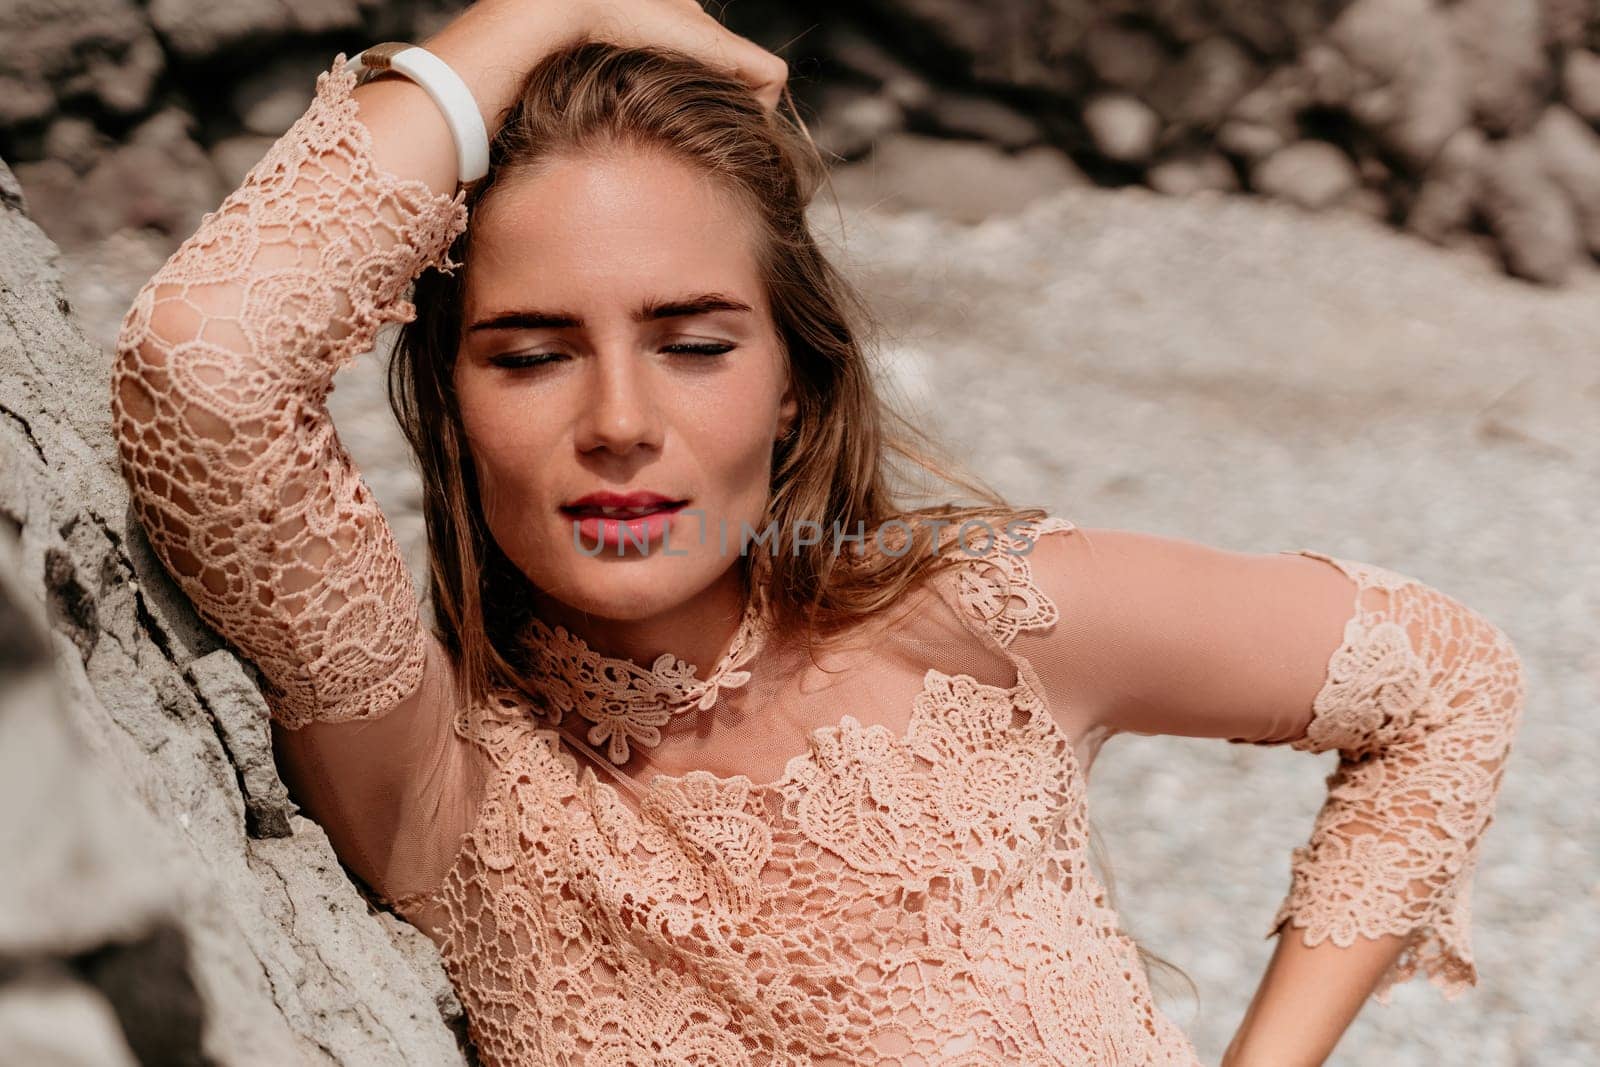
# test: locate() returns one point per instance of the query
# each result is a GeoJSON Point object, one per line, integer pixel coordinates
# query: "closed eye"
{"type": "Point", "coordinates": [701, 348]}
{"type": "Point", "coordinates": [526, 360]}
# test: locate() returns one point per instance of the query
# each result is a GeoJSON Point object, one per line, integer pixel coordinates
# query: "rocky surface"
{"type": "Point", "coordinates": [162, 901]}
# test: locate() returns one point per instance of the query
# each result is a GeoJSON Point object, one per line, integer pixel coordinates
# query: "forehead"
{"type": "Point", "coordinates": [610, 228]}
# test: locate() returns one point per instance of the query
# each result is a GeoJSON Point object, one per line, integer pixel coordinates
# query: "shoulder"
{"type": "Point", "coordinates": [992, 578]}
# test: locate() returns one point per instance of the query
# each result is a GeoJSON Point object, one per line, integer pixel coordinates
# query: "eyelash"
{"type": "Point", "coordinates": [528, 360]}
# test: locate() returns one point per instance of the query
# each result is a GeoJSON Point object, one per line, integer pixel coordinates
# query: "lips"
{"type": "Point", "coordinates": [621, 505]}
{"type": "Point", "coordinates": [612, 520]}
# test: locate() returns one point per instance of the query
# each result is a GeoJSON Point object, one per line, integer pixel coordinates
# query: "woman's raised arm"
{"type": "Point", "coordinates": [222, 369]}
{"type": "Point", "coordinates": [1419, 695]}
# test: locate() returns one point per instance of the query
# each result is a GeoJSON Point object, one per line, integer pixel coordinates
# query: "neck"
{"type": "Point", "coordinates": [698, 630]}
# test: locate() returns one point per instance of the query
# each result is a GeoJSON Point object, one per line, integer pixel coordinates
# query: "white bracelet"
{"type": "Point", "coordinates": [448, 91]}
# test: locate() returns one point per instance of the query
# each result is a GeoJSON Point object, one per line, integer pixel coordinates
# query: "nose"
{"type": "Point", "coordinates": [620, 413]}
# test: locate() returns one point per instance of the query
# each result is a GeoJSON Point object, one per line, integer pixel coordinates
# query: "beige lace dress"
{"type": "Point", "coordinates": [877, 854]}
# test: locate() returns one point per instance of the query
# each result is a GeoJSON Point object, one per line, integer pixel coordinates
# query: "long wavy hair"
{"type": "Point", "coordinates": [851, 458]}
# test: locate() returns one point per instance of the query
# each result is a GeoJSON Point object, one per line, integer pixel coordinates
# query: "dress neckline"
{"type": "Point", "coordinates": [624, 702]}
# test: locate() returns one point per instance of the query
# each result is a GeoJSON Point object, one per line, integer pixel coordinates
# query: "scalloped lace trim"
{"type": "Point", "coordinates": [1421, 700]}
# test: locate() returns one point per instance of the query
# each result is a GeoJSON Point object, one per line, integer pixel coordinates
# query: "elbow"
{"type": "Point", "coordinates": [1488, 680]}
{"type": "Point", "coordinates": [1507, 688]}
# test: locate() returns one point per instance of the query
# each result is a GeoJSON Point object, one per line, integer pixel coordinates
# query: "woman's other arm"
{"type": "Point", "coordinates": [1419, 695]}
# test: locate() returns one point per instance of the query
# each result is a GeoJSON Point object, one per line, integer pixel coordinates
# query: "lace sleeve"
{"type": "Point", "coordinates": [222, 369]}
{"type": "Point", "coordinates": [1421, 697]}
{"type": "Point", "coordinates": [1421, 700]}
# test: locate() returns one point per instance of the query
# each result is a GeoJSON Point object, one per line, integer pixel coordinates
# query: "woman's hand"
{"type": "Point", "coordinates": [493, 44]}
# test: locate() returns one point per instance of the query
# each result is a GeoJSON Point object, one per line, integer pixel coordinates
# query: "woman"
{"type": "Point", "coordinates": [856, 831]}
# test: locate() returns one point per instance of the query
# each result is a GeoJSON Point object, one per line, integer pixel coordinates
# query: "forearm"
{"type": "Point", "coordinates": [1307, 998]}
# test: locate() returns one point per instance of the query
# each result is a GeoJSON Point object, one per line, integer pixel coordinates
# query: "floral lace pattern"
{"type": "Point", "coordinates": [998, 591]}
{"type": "Point", "coordinates": [912, 899]}
{"type": "Point", "coordinates": [265, 495]}
{"type": "Point", "coordinates": [898, 896]}
{"type": "Point", "coordinates": [1421, 701]}
{"type": "Point", "coordinates": [628, 703]}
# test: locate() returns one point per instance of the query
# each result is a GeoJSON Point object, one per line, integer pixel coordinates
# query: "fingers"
{"type": "Point", "coordinates": [686, 26]}
{"type": "Point", "coordinates": [704, 37]}
{"type": "Point", "coordinates": [764, 72]}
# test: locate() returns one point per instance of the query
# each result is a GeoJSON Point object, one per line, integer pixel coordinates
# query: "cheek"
{"type": "Point", "coordinates": [734, 435]}
{"type": "Point", "coordinates": [500, 437]}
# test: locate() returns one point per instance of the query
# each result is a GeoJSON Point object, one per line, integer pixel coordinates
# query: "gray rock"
{"type": "Point", "coordinates": [124, 83]}
{"type": "Point", "coordinates": [1021, 43]}
{"type": "Point", "coordinates": [1501, 45]}
{"type": "Point", "coordinates": [1123, 127]}
{"type": "Point", "coordinates": [1187, 175]}
{"type": "Point", "coordinates": [160, 179]}
{"type": "Point", "coordinates": [75, 142]}
{"type": "Point", "coordinates": [1201, 88]}
{"type": "Point", "coordinates": [1278, 29]}
{"type": "Point", "coordinates": [1566, 22]}
{"type": "Point", "coordinates": [198, 28]}
{"type": "Point", "coordinates": [1250, 141]}
{"type": "Point", "coordinates": [962, 180]}
{"type": "Point", "coordinates": [53, 1019]}
{"type": "Point", "coordinates": [959, 114]}
{"type": "Point", "coordinates": [235, 157]}
{"type": "Point", "coordinates": [1570, 150]}
{"type": "Point", "coordinates": [851, 119]}
{"type": "Point", "coordinates": [1331, 78]}
{"type": "Point", "coordinates": [23, 100]}
{"type": "Point", "coordinates": [206, 941]}
{"type": "Point", "coordinates": [102, 278]}
{"type": "Point", "coordinates": [1408, 85]}
{"type": "Point", "coordinates": [1266, 118]}
{"type": "Point", "coordinates": [269, 100]}
{"type": "Point", "coordinates": [1369, 201]}
{"type": "Point", "coordinates": [73, 48]}
{"type": "Point", "coordinates": [1312, 174]}
{"type": "Point", "coordinates": [235, 702]}
{"type": "Point", "coordinates": [87, 880]}
{"type": "Point", "coordinates": [1580, 83]}
{"type": "Point", "coordinates": [1124, 57]}
{"type": "Point", "coordinates": [10, 190]}
{"type": "Point", "coordinates": [50, 188]}
{"type": "Point", "coordinates": [854, 51]}
{"type": "Point", "coordinates": [1528, 213]}
{"type": "Point", "coordinates": [1448, 194]}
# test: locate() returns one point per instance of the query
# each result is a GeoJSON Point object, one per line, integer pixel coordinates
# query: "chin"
{"type": "Point", "coordinates": [632, 590]}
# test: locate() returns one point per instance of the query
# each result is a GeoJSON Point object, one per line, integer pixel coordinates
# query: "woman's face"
{"type": "Point", "coordinates": [617, 339]}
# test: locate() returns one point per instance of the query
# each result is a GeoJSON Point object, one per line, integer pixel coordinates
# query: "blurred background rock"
{"type": "Point", "coordinates": [1264, 274]}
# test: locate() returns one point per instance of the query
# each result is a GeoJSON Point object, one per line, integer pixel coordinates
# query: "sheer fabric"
{"type": "Point", "coordinates": [876, 853]}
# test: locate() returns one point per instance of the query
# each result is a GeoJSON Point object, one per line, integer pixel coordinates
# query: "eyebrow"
{"type": "Point", "coordinates": [651, 310]}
